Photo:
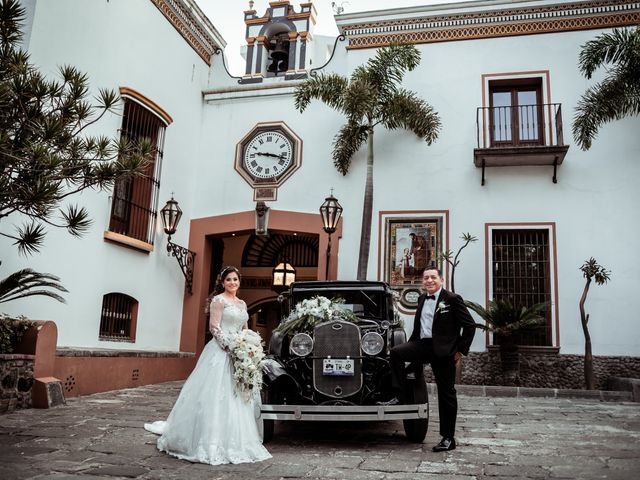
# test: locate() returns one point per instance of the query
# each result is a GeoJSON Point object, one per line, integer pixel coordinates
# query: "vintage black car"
{"type": "Point", "coordinates": [339, 369]}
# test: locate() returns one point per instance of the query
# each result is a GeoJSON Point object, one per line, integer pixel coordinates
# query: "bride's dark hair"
{"type": "Point", "coordinates": [224, 273]}
{"type": "Point", "coordinates": [219, 288]}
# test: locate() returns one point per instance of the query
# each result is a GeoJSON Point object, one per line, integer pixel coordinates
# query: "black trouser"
{"type": "Point", "coordinates": [444, 370]}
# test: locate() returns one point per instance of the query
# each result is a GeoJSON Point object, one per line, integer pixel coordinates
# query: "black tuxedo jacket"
{"type": "Point", "coordinates": [453, 327]}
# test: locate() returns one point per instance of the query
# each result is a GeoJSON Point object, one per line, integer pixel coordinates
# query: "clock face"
{"type": "Point", "coordinates": [268, 154]}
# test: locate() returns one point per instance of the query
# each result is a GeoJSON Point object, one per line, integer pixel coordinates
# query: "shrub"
{"type": "Point", "coordinates": [12, 331]}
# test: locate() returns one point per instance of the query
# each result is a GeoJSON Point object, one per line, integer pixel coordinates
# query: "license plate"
{"type": "Point", "coordinates": [337, 367]}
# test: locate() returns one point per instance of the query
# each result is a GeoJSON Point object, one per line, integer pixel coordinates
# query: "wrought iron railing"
{"type": "Point", "coordinates": [519, 126]}
{"type": "Point", "coordinates": [118, 311]}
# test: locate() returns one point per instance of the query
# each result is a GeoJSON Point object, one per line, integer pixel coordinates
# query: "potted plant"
{"type": "Point", "coordinates": [504, 320]}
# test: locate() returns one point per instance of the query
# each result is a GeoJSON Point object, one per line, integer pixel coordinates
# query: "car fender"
{"type": "Point", "coordinates": [274, 374]}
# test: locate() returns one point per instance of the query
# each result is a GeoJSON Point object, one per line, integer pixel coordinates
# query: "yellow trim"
{"type": "Point", "coordinates": [128, 241]}
{"type": "Point", "coordinates": [150, 104]}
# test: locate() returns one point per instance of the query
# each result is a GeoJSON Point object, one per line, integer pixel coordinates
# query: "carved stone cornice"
{"type": "Point", "coordinates": [193, 25]}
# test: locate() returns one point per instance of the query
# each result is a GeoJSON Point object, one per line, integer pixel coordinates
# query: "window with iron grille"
{"type": "Point", "coordinates": [135, 200]}
{"type": "Point", "coordinates": [516, 116]}
{"type": "Point", "coordinates": [118, 318]}
{"type": "Point", "coordinates": [521, 272]}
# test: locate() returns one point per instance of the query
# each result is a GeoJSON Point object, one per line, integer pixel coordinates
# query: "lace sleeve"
{"type": "Point", "coordinates": [217, 306]}
{"type": "Point", "coordinates": [246, 324]}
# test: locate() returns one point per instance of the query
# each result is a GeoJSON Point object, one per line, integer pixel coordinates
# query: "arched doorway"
{"type": "Point", "coordinates": [235, 230]}
{"type": "Point", "coordinates": [256, 256]}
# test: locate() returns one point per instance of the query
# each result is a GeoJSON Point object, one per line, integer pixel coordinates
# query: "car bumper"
{"type": "Point", "coordinates": [344, 412]}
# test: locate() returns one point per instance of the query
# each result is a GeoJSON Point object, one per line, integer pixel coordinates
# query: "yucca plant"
{"type": "Point", "coordinates": [504, 320]}
{"type": "Point", "coordinates": [591, 270]}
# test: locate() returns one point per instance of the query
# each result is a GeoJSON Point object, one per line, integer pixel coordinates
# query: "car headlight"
{"type": "Point", "coordinates": [301, 344]}
{"type": "Point", "coordinates": [372, 343]}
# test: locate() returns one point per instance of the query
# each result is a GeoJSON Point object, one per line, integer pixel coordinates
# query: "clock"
{"type": "Point", "coordinates": [267, 156]}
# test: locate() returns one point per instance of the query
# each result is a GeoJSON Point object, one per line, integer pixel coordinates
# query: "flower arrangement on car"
{"type": "Point", "coordinates": [310, 312]}
{"type": "Point", "coordinates": [247, 356]}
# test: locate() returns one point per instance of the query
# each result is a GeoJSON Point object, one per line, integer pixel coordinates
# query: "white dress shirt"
{"type": "Point", "coordinates": [426, 316]}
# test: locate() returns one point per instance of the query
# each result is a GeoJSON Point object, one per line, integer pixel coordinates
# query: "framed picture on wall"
{"type": "Point", "coordinates": [413, 244]}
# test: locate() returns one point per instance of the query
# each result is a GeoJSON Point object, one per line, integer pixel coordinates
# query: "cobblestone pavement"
{"type": "Point", "coordinates": [101, 437]}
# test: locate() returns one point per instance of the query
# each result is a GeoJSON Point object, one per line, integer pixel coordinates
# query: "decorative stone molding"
{"type": "Point", "coordinates": [194, 27]}
{"type": "Point", "coordinates": [494, 23]}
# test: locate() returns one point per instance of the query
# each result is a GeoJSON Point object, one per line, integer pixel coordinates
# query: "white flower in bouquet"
{"type": "Point", "coordinates": [247, 357]}
{"type": "Point", "coordinates": [308, 313]}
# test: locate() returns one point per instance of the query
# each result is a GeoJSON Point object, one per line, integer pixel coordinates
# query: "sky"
{"type": "Point", "coordinates": [228, 18]}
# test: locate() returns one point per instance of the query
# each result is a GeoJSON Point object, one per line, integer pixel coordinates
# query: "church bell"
{"type": "Point", "coordinates": [280, 54]}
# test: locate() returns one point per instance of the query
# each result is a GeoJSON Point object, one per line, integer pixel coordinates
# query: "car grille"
{"type": "Point", "coordinates": [337, 339]}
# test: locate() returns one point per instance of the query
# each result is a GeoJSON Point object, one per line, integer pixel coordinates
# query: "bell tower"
{"type": "Point", "coordinates": [278, 42]}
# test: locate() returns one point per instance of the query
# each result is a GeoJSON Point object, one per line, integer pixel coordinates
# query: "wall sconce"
{"type": "Point", "coordinates": [262, 219]}
{"type": "Point", "coordinates": [283, 275]}
{"type": "Point", "coordinates": [171, 214]}
{"type": "Point", "coordinates": [330, 211]}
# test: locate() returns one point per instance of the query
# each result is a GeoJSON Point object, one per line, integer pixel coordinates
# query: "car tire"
{"type": "Point", "coordinates": [416, 393]}
{"type": "Point", "coordinates": [268, 426]}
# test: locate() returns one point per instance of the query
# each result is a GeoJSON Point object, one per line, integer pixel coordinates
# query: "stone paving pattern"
{"type": "Point", "coordinates": [101, 437]}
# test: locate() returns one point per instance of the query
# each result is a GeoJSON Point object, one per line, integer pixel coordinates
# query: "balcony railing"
{"type": "Point", "coordinates": [519, 135]}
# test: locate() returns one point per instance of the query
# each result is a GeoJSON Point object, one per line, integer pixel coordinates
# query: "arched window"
{"type": "Point", "coordinates": [135, 199]}
{"type": "Point", "coordinates": [118, 317]}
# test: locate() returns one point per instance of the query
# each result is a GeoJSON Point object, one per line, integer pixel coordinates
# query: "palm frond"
{"type": "Point", "coordinates": [327, 88]}
{"type": "Point", "coordinates": [504, 318]}
{"type": "Point", "coordinates": [405, 110]}
{"type": "Point", "coordinates": [388, 67]}
{"type": "Point", "coordinates": [612, 99]}
{"type": "Point", "coordinates": [22, 283]}
{"type": "Point", "coordinates": [359, 100]}
{"type": "Point", "coordinates": [618, 95]}
{"type": "Point", "coordinates": [622, 46]}
{"type": "Point", "coordinates": [346, 143]}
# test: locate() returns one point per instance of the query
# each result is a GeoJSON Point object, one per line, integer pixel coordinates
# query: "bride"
{"type": "Point", "coordinates": [211, 422]}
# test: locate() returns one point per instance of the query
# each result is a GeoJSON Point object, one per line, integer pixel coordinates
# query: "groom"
{"type": "Point", "coordinates": [442, 332]}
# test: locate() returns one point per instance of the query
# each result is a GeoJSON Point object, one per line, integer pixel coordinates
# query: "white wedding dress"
{"type": "Point", "coordinates": [210, 422]}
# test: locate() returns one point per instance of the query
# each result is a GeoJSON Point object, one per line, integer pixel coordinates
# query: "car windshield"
{"type": "Point", "coordinates": [363, 303]}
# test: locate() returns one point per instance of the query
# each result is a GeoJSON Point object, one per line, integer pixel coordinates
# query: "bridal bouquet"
{"type": "Point", "coordinates": [312, 311]}
{"type": "Point", "coordinates": [247, 357]}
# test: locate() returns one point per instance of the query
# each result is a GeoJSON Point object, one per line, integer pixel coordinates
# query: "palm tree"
{"type": "Point", "coordinates": [618, 95]}
{"type": "Point", "coordinates": [371, 97]}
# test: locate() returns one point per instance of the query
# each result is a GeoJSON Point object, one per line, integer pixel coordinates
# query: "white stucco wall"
{"type": "Point", "coordinates": [593, 205]}
{"type": "Point", "coordinates": [118, 43]}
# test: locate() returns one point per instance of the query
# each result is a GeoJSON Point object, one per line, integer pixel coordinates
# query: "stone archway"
{"type": "Point", "coordinates": [193, 316]}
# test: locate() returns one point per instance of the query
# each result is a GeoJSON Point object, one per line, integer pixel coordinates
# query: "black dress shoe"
{"type": "Point", "coordinates": [445, 445]}
{"type": "Point", "coordinates": [388, 403]}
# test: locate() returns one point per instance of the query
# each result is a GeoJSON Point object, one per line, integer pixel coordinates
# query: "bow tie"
{"type": "Point", "coordinates": [432, 297]}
